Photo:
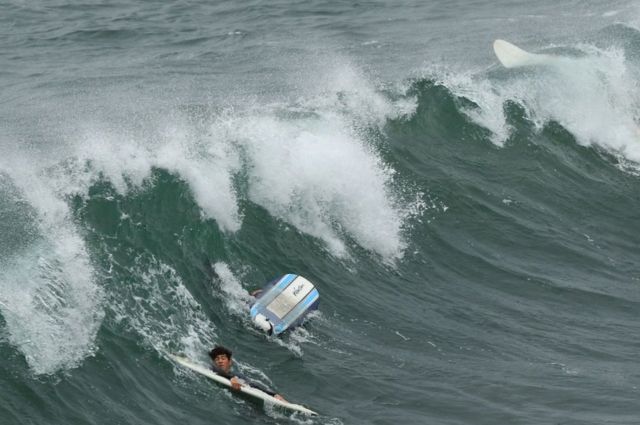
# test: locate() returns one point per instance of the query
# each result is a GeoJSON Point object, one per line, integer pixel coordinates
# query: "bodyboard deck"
{"type": "Point", "coordinates": [286, 302]}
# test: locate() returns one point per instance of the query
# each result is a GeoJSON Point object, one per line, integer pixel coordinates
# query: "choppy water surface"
{"type": "Point", "coordinates": [473, 230]}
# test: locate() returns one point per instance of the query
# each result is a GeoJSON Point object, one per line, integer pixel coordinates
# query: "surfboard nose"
{"type": "Point", "coordinates": [512, 56]}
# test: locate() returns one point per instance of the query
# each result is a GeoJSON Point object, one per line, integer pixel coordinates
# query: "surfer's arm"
{"type": "Point", "coordinates": [265, 389]}
{"type": "Point", "coordinates": [235, 383]}
{"type": "Point", "coordinates": [238, 379]}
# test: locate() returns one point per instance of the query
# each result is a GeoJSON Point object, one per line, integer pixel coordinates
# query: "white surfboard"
{"type": "Point", "coordinates": [511, 56]}
{"type": "Point", "coordinates": [246, 389]}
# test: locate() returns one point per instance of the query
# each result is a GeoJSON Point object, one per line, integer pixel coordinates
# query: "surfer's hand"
{"type": "Point", "coordinates": [279, 397]}
{"type": "Point", "coordinates": [235, 383]}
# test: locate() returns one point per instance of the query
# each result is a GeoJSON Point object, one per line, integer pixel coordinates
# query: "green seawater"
{"type": "Point", "coordinates": [473, 231]}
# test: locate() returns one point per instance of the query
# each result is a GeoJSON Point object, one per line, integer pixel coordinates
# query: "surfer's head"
{"type": "Point", "coordinates": [221, 357]}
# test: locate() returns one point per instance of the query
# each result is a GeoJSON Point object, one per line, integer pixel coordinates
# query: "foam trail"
{"type": "Point", "coordinates": [152, 300]}
{"type": "Point", "coordinates": [236, 297]}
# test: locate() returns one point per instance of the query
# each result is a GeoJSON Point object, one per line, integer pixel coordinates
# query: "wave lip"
{"type": "Point", "coordinates": [324, 181]}
{"type": "Point", "coordinates": [591, 91]}
{"type": "Point", "coordinates": [49, 299]}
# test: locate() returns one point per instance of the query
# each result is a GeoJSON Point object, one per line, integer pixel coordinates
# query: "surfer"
{"type": "Point", "coordinates": [221, 359]}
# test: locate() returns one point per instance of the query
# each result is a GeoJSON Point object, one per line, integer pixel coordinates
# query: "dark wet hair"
{"type": "Point", "coordinates": [219, 350]}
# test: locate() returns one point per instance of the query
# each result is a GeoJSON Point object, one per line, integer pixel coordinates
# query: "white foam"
{"type": "Point", "coordinates": [126, 160]}
{"type": "Point", "coordinates": [236, 298]}
{"type": "Point", "coordinates": [154, 303]}
{"type": "Point", "coordinates": [594, 96]}
{"type": "Point", "coordinates": [334, 85]}
{"type": "Point", "coordinates": [307, 162]}
{"type": "Point", "coordinates": [208, 167]}
{"type": "Point", "coordinates": [312, 165]}
{"type": "Point", "coordinates": [632, 16]}
{"type": "Point", "coordinates": [490, 113]}
{"type": "Point", "coordinates": [317, 175]}
{"type": "Point", "coordinates": [49, 298]}
{"type": "Point", "coordinates": [51, 304]}
{"type": "Point", "coordinates": [301, 335]}
{"type": "Point", "coordinates": [116, 156]}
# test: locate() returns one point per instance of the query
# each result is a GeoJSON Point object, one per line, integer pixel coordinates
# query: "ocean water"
{"type": "Point", "coordinates": [474, 231]}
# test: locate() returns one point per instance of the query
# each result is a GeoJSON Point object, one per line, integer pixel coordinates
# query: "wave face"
{"type": "Point", "coordinates": [473, 231]}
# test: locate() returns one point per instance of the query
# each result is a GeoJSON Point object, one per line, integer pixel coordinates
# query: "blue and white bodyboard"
{"type": "Point", "coordinates": [284, 303]}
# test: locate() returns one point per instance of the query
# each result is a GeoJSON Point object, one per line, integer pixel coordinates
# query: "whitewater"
{"type": "Point", "coordinates": [472, 229]}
